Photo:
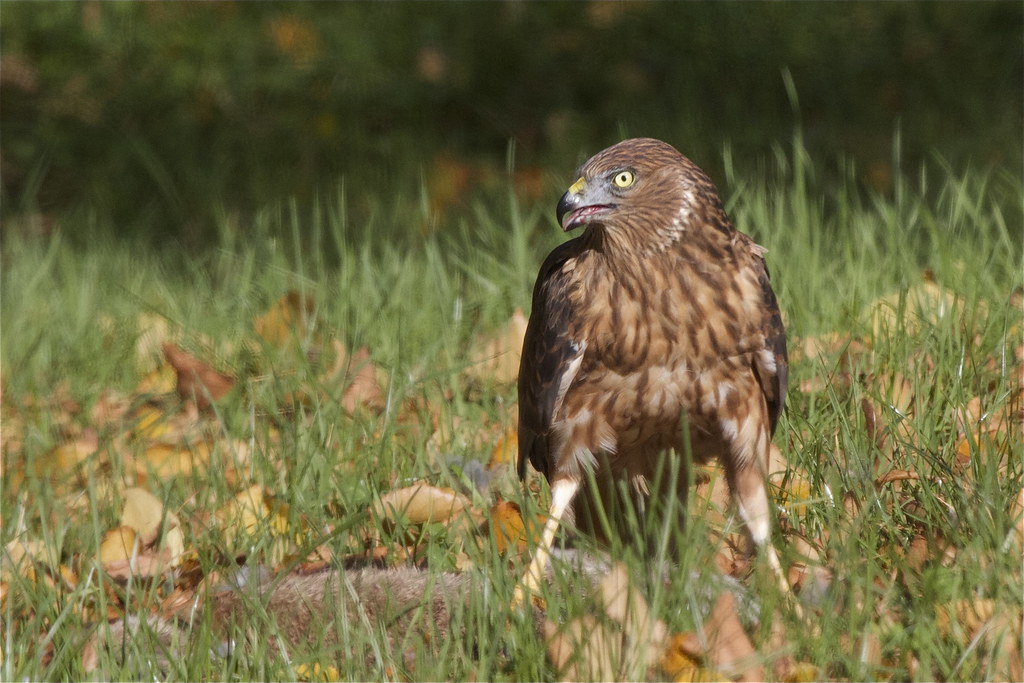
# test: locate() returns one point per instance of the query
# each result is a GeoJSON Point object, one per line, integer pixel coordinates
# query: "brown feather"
{"type": "Point", "coordinates": [659, 312]}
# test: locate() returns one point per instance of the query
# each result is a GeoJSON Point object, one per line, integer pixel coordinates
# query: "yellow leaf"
{"type": "Point", "coordinates": [250, 513]}
{"type": "Point", "coordinates": [161, 380]}
{"type": "Point", "coordinates": [143, 512]}
{"type": "Point", "coordinates": [286, 317]}
{"type": "Point", "coordinates": [153, 330]}
{"type": "Point", "coordinates": [507, 526]}
{"type": "Point", "coordinates": [246, 510]}
{"type": "Point", "coordinates": [497, 358]}
{"type": "Point", "coordinates": [117, 545]}
{"type": "Point", "coordinates": [66, 457]}
{"type": "Point", "coordinates": [18, 557]}
{"type": "Point", "coordinates": [150, 422]}
{"type": "Point", "coordinates": [420, 503]}
{"type": "Point", "coordinates": [927, 302]}
{"type": "Point", "coordinates": [506, 450]}
{"type": "Point", "coordinates": [316, 672]}
{"type": "Point", "coordinates": [167, 460]}
{"type": "Point", "coordinates": [678, 662]}
{"type": "Point", "coordinates": [172, 545]}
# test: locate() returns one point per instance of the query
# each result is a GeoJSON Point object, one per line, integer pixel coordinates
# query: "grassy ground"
{"type": "Point", "coordinates": [876, 388]}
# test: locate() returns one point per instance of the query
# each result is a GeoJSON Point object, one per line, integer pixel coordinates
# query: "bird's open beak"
{"type": "Point", "coordinates": [575, 208]}
{"type": "Point", "coordinates": [566, 205]}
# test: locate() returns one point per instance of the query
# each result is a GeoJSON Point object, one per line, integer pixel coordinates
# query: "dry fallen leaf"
{"type": "Point", "coordinates": [246, 514]}
{"type": "Point", "coordinates": [496, 358]}
{"type": "Point", "coordinates": [905, 310]}
{"type": "Point", "coordinates": [197, 380]}
{"type": "Point", "coordinates": [64, 458]}
{"type": "Point", "coordinates": [364, 391]}
{"type": "Point", "coordinates": [152, 332]}
{"type": "Point", "coordinates": [316, 672]}
{"type": "Point", "coordinates": [165, 460]}
{"type": "Point", "coordinates": [991, 623]}
{"type": "Point", "coordinates": [287, 318]}
{"type": "Point", "coordinates": [19, 555]}
{"type": "Point", "coordinates": [506, 450]}
{"type": "Point", "coordinates": [131, 549]}
{"type": "Point", "coordinates": [682, 661]}
{"type": "Point", "coordinates": [725, 644]}
{"type": "Point", "coordinates": [421, 503]}
{"type": "Point", "coordinates": [627, 643]}
{"type": "Point", "coordinates": [143, 512]}
{"type": "Point", "coordinates": [509, 530]}
{"type": "Point", "coordinates": [118, 545]}
{"type": "Point", "coordinates": [160, 380]}
{"type": "Point", "coordinates": [583, 650]}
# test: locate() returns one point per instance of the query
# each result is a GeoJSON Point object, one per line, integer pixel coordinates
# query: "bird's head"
{"type": "Point", "coordinates": [643, 187]}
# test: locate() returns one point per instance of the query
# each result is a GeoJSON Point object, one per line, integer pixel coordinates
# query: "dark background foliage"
{"type": "Point", "coordinates": [155, 117]}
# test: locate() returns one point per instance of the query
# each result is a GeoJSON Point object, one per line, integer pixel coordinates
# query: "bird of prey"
{"type": "Point", "coordinates": [655, 330]}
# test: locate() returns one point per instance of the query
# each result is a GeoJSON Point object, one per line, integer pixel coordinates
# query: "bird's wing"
{"type": "Point", "coordinates": [552, 354]}
{"type": "Point", "coordinates": [772, 363]}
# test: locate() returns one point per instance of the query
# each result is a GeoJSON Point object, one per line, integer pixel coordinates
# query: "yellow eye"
{"type": "Point", "coordinates": [623, 179]}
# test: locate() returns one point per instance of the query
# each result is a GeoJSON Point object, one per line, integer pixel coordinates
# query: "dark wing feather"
{"type": "Point", "coordinates": [772, 376]}
{"type": "Point", "coordinates": [775, 341]}
{"type": "Point", "coordinates": [548, 351]}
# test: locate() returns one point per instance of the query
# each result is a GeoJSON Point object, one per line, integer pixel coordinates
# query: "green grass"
{"type": "Point", "coordinates": [417, 302]}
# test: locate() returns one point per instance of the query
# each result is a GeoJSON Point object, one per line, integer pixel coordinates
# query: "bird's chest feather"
{"type": "Point", "coordinates": [675, 319]}
{"type": "Point", "coordinates": [655, 351]}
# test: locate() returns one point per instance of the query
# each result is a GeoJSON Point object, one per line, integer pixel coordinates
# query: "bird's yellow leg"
{"type": "Point", "coordinates": [562, 492]}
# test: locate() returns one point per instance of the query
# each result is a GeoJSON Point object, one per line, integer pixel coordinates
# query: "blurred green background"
{"type": "Point", "coordinates": [158, 119]}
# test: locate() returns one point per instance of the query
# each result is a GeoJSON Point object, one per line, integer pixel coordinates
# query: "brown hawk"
{"type": "Point", "coordinates": [656, 323]}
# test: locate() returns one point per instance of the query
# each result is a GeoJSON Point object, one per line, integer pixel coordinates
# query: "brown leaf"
{"type": "Point", "coordinates": [874, 423]}
{"type": "Point", "coordinates": [584, 650]}
{"type": "Point", "coordinates": [181, 603]}
{"type": "Point", "coordinates": [896, 475]}
{"type": "Point", "coordinates": [197, 380]}
{"type": "Point", "coordinates": [993, 624]}
{"type": "Point", "coordinates": [725, 644]}
{"type": "Point", "coordinates": [364, 391]}
{"type": "Point", "coordinates": [147, 563]}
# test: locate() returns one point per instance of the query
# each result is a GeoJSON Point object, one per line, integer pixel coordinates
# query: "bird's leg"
{"type": "Point", "coordinates": [752, 502]}
{"type": "Point", "coordinates": [562, 493]}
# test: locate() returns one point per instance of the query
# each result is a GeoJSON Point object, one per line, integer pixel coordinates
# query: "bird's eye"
{"type": "Point", "coordinates": [624, 179]}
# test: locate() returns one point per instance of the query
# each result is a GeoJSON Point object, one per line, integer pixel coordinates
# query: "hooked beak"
{"type": "Point", "coordinates": [575, 208]}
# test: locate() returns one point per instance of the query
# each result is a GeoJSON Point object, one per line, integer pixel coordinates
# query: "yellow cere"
{"type": "Point", "coordinates": [578, 186]}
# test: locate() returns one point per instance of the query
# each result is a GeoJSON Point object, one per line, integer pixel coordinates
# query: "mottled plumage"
{"type": "Point", "coordinates": [659, 314]}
